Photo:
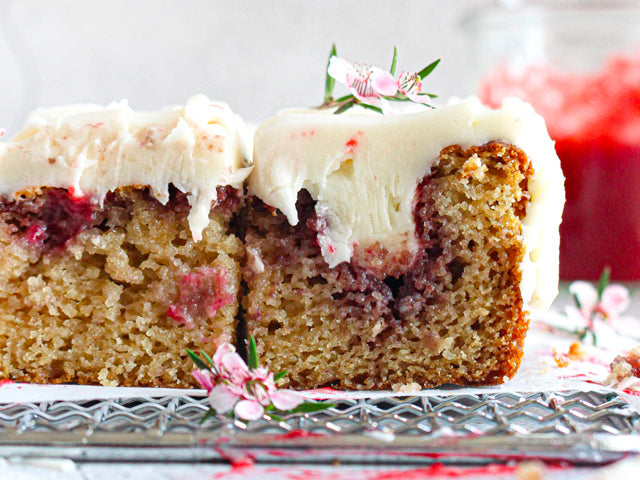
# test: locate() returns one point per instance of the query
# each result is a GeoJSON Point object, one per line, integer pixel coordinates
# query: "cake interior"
{"type": "Point", "coordinates": [113, 294]}
{"type": "Point", "coordinates": [452, 313]}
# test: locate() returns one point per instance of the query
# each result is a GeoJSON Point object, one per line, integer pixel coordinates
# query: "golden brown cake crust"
{"type": "Point", "coordinates": [115, 294]}
{"type": "Point", "coordinates": [452, 314]}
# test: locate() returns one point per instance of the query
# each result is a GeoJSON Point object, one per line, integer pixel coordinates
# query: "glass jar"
{"type": "Point", "coordinates": [578, 64]}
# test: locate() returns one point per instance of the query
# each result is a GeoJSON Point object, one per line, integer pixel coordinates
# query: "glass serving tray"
{"type": "Point", "coordinates": [575, 426]}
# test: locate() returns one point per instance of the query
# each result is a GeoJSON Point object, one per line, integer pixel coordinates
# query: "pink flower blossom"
{"type": "Point", "coordinates": [372, 87]}
{"type": "Point", "coordinates": [366, 82]}
{"type": "Point", "coordinates": [222, 350]}
{"type": "Point", "coordinates": [614, 301]}
{"type": "Point", "coordinates": [204, 378]}
{"type": "Point", "coordinates": [409, 85]}
{"type": "Point", "coordinates": [234, 368]}
{"type": "Point", "coordinates": [232, 386]}
{"type": "Point", "coordinates": [285, 399]}
{"type": "Point", "coordinates": [249, 410]}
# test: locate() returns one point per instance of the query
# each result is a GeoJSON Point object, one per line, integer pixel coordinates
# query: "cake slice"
{"type": "Point", "coordinates": [118, 247]}
{"type": "Point", "coordinates": [402, 251]}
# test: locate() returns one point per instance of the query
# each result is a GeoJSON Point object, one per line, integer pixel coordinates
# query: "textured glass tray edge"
{"type": "Point", "coordinates": [576, 449]}
{"type": "Point", "coordinates": [223, 440]}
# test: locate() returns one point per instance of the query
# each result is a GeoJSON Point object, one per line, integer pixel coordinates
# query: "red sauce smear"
{"type": "Point", "coordinates": [630, 391]}
{"type": "Point", "coordinates": [436, 470]}
{"type": "Point", "coordinates": [58, 218]}
{"type": "Point", "coordinates": [239, 465]}
{"type": "Point", "coordinates": [445, 471]}
{"type": "Point", "coordinates": [202, 293]}
{"type": "Point", "coordinates": [295, 434]}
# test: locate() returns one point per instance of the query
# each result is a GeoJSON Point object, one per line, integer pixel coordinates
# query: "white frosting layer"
{"type": "Point", "coordinates": [363, 169]}
{"type": "Point", "coordinates": [93, 150]}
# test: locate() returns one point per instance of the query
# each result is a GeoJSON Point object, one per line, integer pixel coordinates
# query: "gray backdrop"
{"type": "Point", "coordinates": [259, 56]}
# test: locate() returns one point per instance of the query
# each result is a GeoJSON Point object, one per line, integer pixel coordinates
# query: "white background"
{"type": "Point", "coordinates": [258, 56]}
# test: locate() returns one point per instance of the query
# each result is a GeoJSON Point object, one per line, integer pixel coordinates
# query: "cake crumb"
{"type": "Point", "coordinates": [530, 471]}
{"type": "Point", "coordinates": [474, 168]}
{"type": "Point", "coordinates": [377, 328]}
{"type": "Point", "coordinates": [576, 352]}
{"type": "Point", "coordinates": [406, 388]}
{"type": "Point", "coordinates": [625, 367]}
{"type": "Point", "coordinates": [560, 359]}
{"type": "Point", "coordinates": [254, 261]}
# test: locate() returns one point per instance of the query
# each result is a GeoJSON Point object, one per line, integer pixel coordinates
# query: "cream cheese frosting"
{"type": "Point", "coordinates": [92, 150]}
{"type": "Point", "coordinates": [362, 169]}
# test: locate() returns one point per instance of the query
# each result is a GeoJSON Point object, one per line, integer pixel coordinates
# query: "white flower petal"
{"type": "Point", "coordinates": [235, 367]}
{"type": "Point", "coordinates": [204, 378]}
{"type": "Point", "coordinates": [339, 68]}
{"type": "Point", "coordinates": [386, 107]}
{"type": "Point", "coordinates": [575, 317]}
{"type": "Point", "coordinates": [222, 399]}
{"type": "Point", "coordinates": [587, 295]}
{"type": "Point", "coordinates": [221, 351]}
{"type": "Point", "coordinates": [383, 83]}
{"type": "Point", "coordinates": [285, 399]}
{"type": "Point", "coordinates": [249, 410]}
{"type": "Point", "coordinates": [615, 299]}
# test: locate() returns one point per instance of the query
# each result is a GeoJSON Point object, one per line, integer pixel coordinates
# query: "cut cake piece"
{"type": "Point", "coordinates": [118, 249]}
{"type": "Point", "coordinates": [400, 251]}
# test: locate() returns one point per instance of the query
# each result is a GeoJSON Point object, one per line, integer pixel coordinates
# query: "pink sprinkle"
{"type": "Point", "coordinates": [351, 145]}
{"type": "Point", "coordinates": [95, 125]}
{"type": "Point", "coordinates": [2, 131]}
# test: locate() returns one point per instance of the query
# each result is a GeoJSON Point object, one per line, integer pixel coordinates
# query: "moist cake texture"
{"type": "Point", "coordinates": [118, 244]}
{"type": "Point", "coordinates": [444, 295]}
{"type": "Point", "coordinates": [372, 251]}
